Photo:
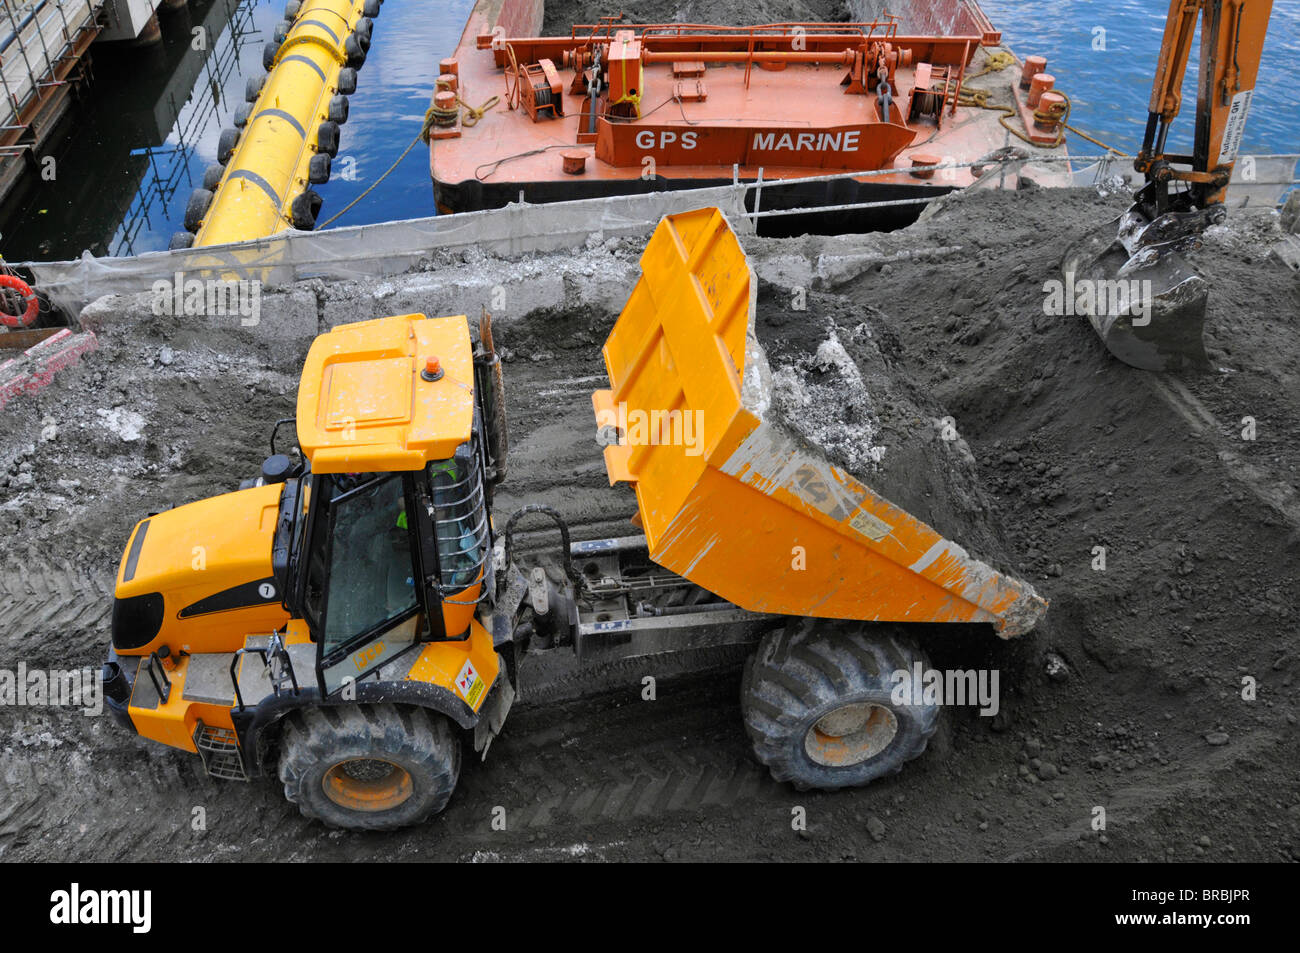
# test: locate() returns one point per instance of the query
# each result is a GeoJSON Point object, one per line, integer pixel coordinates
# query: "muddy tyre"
{"type": "Point", "coordinates": [816, 700]}
{"type": "Point", "coordinates": [369, 767]}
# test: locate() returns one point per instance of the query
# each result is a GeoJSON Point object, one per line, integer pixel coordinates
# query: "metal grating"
{"type": "Point", "coordinates": [461, 525]}
{"type": "Point", "coordinates": [219, 749]}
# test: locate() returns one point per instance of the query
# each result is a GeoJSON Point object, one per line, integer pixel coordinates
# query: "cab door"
{"type": "Point", "coordinates": [364, 595]}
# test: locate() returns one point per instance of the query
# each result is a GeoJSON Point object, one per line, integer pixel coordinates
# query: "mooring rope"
{"type": "Point", "coordinates": [472, 115]}
{"type": "Point", "coordinates": [978, 99]}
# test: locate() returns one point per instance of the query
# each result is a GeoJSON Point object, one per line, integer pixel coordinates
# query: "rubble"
{"type": "Point", "coordinates": [1007, 428]}
{"type": "Point", "coordinates": [34, 368]}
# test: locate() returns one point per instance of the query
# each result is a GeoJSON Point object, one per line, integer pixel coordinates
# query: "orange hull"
{"type": "Point", "coordinates": [683, 106]}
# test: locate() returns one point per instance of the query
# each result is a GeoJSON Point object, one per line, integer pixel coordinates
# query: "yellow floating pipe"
{"type": "Point", "coordinates": [294, 119]}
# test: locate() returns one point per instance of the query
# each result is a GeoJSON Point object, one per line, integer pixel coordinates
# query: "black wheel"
{"type": "Point", "coordinates": [347, 84]}
{"type": "Point", "coordinates": [817, 703]}
{"type": "Point", "coordinates": [253, 88]}
{"type": "Point", "coordinates": [180, 240]}
{"type": "Point", "coordinates": [291, 9]}
{"type": "Point", "coordinates": [282, 30]}
{"type": "Point", "coordinates": [269, 49]}
{"type": "Point", "coordinates": [198, 205]}
{"type": "Point", "coordinates": [242, 112]}
{"type": "Point", "coordinates": [369, 767]}
{"type": "Point", "coordinates": [371, 8]}
{"type": "Point", "coordinates": [364, 29]}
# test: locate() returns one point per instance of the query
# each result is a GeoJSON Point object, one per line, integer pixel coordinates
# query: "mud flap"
{"type": "Point", "coordinates": [493, 715]}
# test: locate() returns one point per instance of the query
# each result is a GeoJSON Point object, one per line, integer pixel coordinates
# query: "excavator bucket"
{"type": "Point", "coordinates": [741, 507]}
{"type": "Point", "coordinates": [1144, 301]}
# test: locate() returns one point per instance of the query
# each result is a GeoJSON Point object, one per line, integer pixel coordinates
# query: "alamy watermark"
{"type": "Point", "coordinates": [58, 688]}
{"type": "Point", "coordinates": [211, 297]}
{"type": "Point", "coordinates": [652, 428]}
{"type": "Point", "coordinates": [75, 906]}
{"type": "Point", "coordinates": [951, 687]}
{"type": "Point", "coordinates": [1089, 296]}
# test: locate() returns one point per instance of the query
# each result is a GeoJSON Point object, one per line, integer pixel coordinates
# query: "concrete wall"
{"type": "Point", "coordinates": [128, 18]}
{"type": "Point", "coordinates": [375, 252]}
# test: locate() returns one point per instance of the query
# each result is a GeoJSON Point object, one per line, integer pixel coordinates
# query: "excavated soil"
{"type": "Point", "coordinates": [1128, 697]}
{"type": "Point", "coordinates": [561, 15]}
{"type": "Point", "coordinates": [837, 388]}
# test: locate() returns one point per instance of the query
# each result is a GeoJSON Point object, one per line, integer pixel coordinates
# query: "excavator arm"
{"type": "Point", "coordinates": [1232, 41]}
{"type": "Point", "coordinates": [1155, 320]}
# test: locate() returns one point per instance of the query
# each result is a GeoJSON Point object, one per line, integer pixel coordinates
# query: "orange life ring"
{"type": "Point", "coordinates": [33, 305]}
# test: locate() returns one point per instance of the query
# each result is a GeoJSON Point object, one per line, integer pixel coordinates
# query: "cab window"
{"type": "Point", "coordinates": [370, 582]}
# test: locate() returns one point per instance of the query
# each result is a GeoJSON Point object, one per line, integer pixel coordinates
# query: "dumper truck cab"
{"type": "Point", "coordinates": [355, 619]}
{"type": "Point", "coordinates": [349, 577]}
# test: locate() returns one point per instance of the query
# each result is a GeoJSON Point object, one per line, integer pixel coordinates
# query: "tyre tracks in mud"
{"type": "Point", "coordinates": [43, 596]}
{"type": "Point", "coordinates": [1270, 488]}
{"type": "Point", "coordinates": [617, 759]}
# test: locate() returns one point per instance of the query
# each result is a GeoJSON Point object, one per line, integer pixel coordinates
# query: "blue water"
{"type": "Point", "coordinates": [1111, 89]}
{"type": "Point", "coordinates": [393, 91]}
{"type": "Point", "coordinates": [150, 123]}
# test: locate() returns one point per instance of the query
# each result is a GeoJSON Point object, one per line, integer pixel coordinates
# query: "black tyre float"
{"type": "Point", "coordinates": [318, 168]}
{"type": "Point", "coordinates": [198, 205]}
{"type": "Point", "coordinates": [327, 138]}
{"type": "Point", "coordinates": [304, 209]}
{"type": "Point", "coordinates": [338, 109]}
{"type": "Point", "coordinates": [212, 177]}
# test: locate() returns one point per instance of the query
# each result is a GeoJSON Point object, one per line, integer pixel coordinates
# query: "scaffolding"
{"type": "Point", "coordinates": [41, 46]}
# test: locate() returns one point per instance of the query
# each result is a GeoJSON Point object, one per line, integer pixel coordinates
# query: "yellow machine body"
{"type": "Point", "coordinates": [734, 516]}
{"type": "Point", "coordinates": [269, 167]}
{"type": "Point", "coordinates": [363, 402]}
{"type": "Point", "coordinates": [173, 722]}
{"type": "Point", "coordinates": [206, 559]}
{"type": "Point", "coordinates": [364, 405]}
{"type": "Point", "coordinates": [195, 585]}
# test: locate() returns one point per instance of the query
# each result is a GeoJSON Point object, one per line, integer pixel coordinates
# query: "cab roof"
{"type": "Point", "coordinates": [365, 405]}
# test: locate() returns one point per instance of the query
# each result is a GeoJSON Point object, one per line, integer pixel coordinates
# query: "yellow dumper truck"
{"type": "Point", "coordinates": [356, 618]}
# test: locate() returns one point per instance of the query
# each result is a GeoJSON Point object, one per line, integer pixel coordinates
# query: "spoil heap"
{"type": "Point", "coordinates": [1128, 695]}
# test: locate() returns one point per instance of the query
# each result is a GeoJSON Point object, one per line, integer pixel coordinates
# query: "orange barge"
{"type": "Point", "coordinates": [617, 108]}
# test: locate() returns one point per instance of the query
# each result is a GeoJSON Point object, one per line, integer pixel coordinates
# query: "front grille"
{"type": "Point", "coordinates": [137, 620]}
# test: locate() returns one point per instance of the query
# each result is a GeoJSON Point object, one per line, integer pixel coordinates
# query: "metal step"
{"type": "Point", "coordinates": [219, 749]}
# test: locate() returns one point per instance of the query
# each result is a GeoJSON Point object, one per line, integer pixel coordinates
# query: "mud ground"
{"type": "Point", "coordinates": [1128, 697]}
